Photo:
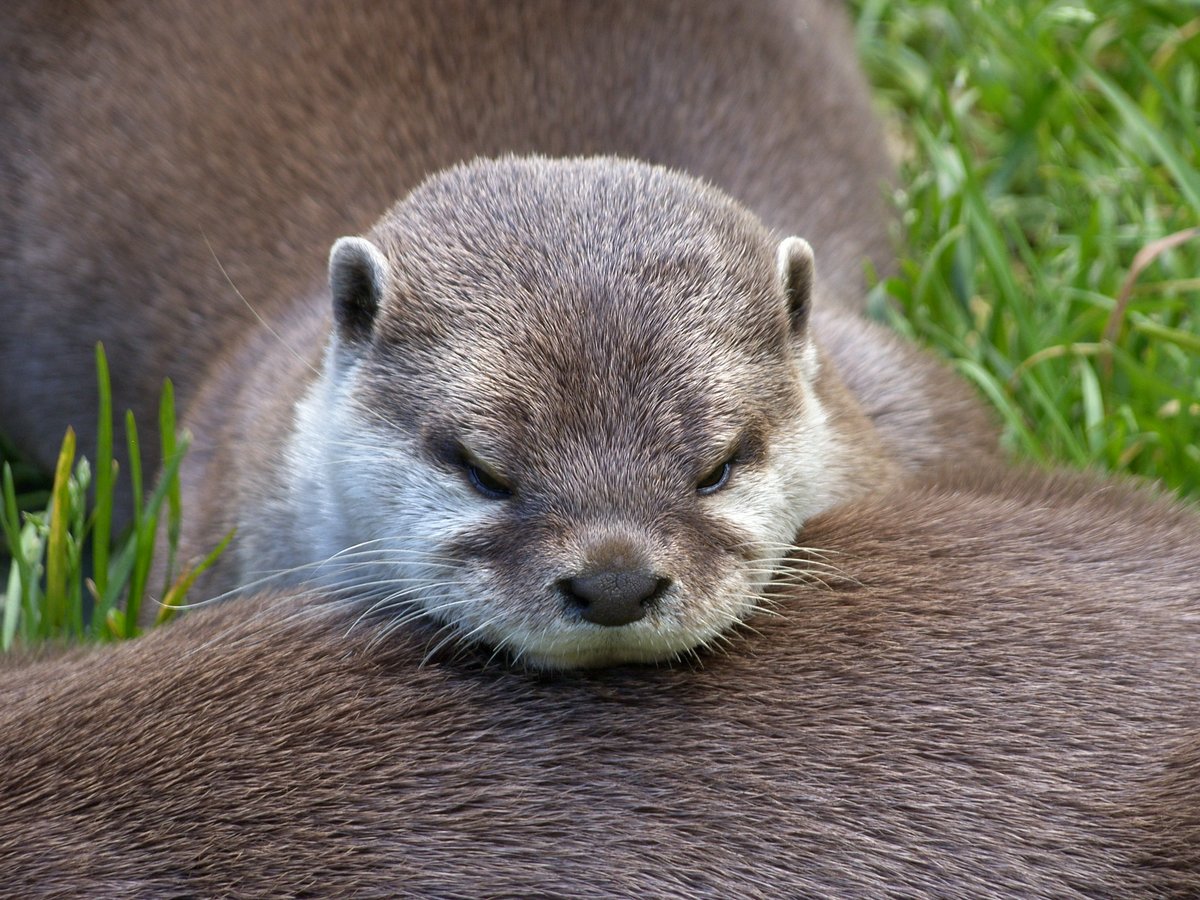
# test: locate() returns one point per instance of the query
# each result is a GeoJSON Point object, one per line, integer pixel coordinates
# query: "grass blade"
{"type": "Point", "coordinates": [143, 538]}
{"type": "Point", "coordinates": [19, 575]}
{"type": "Point", "coordinates": [57, 570]}
{"type": "Point", "coordinates": [166, 430]}
{"type": "Point", "coordinates": [145, 530]}
{"type": "Point", "coordinates": [1184, 339]}
{"type": "Point", "coordinates": [106, 473]}
{"type": "Point", "coordinates": [173, 600]}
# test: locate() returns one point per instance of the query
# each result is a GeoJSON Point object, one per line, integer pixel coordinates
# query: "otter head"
{"type": "Point", "coordinates": [568, 410]}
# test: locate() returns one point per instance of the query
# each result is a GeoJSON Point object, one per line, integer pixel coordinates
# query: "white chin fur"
{"type": "Point", "coordinates": [585, 645]}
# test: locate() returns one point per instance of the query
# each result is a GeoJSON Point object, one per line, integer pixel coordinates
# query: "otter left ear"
{"type": "Point", "coordinates": [795, 265]}
{"type": "Point", "coordinates": [358, 276]}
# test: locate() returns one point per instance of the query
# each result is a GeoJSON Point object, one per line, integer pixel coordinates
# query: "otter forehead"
{"type": "Point", "coordinates": [587, 300]}
{"type": "Point", "coordinates": [507, 244]}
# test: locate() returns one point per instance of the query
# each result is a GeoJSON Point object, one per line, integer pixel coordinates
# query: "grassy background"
{"type": "Point", "coordinates": [68, 578]}
{"type": "Point", "coordinates": [1050, 152]}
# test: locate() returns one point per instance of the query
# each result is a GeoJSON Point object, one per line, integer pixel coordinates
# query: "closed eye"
{"type": "Point", "coordinates": [442, 446]}
{"type": "Point", "coordinates": [715, 479]}
{"type": "Point", "coordinates": [485, 483]}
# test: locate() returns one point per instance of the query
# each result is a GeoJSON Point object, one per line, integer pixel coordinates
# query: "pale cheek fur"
{"type": "Point", "coordinates": [771, 505]}
{"type": "Point", "coordinates": [370, 492]}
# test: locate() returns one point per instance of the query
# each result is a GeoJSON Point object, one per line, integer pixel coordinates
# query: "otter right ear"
{"type": "Point", "coordinates": [796, 268]}
{"type": "Point", "coordinates": [358, 276]}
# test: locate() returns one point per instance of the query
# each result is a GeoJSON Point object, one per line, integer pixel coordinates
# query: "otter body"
{"type": "Point", "coordinates": [953, 709]}
{"type": "Point", "coordinates": [177, 173]}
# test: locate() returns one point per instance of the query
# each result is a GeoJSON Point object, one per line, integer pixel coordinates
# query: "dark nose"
{"type": "Point", "coordinates": [615, 597]}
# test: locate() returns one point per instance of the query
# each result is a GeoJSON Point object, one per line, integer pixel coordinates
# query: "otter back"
{"type": "Point", "coordinates": [956, 709]}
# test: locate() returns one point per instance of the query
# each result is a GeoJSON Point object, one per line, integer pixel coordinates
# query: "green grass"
{"type": "Point", "coordinates": [1050, 191]}
{"type": "Point", "coordinates": [47, 534]}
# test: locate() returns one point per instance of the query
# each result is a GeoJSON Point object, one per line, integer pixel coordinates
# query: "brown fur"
{"type": "Point", "coordinates": [994, 695]}
{"type": "Point", "coordinates": [147, 147]}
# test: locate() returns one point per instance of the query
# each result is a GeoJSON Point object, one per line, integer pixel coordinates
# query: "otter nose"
{"type": "Point", "coordinates": [615, 597]}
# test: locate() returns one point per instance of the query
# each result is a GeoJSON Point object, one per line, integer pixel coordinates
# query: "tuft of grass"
{"type": "Point", "coordinates": [1050, 193]}
{"type": "Point", "coordinates": [44, 596]}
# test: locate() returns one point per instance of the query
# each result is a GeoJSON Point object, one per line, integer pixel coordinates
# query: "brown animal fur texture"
{"type": "Point", "coordinates": [981, 686]}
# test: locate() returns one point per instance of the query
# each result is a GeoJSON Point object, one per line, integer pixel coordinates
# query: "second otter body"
{"type": "Point", "coordinates": [193, 189]}
{"type": "Point", "coordinates": [943, 707]}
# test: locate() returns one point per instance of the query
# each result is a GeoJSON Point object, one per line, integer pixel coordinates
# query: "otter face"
{"type": "Point", "coordinates": [568, 411]}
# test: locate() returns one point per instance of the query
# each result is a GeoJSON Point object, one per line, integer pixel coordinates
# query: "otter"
{"type": "Point", "coordinates": [648, 389]}
{"type": "Point", "coordinates": [977, 685]}
{"type": "Point", "coordinates": [585, 438]}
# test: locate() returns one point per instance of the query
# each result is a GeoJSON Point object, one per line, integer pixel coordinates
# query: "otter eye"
{"type": "Point", "coordinates": [487, 485]}
{"type": "Point", "coordinates": [716, 479]}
